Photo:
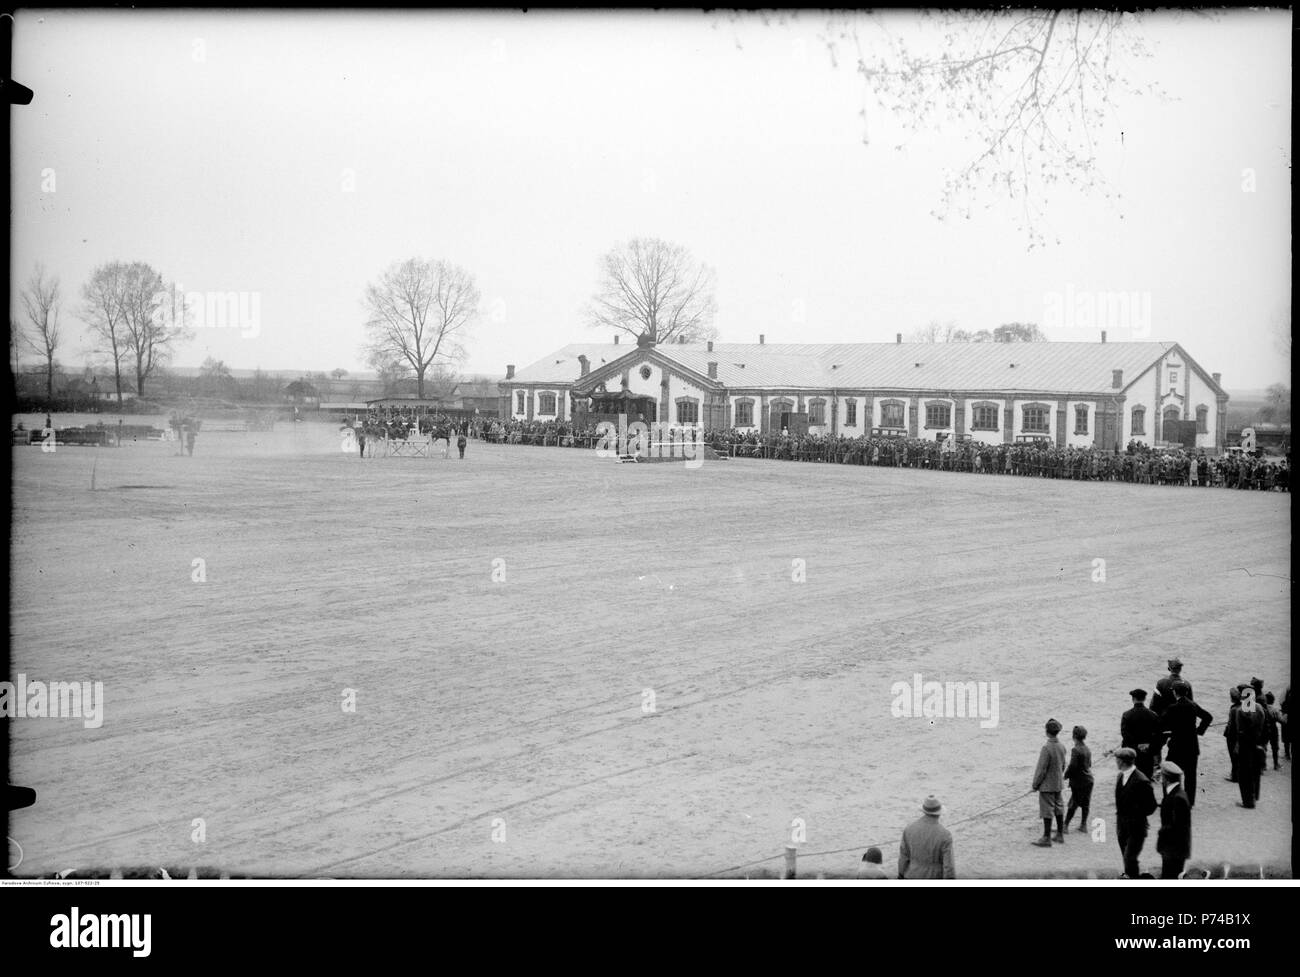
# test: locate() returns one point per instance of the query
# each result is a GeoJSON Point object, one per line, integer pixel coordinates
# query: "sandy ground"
{"type": "Point", "coordinates": [502, 727]}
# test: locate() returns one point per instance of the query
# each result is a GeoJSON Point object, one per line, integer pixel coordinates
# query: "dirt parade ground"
{"type": "Point", "coordinates": [538, 663]}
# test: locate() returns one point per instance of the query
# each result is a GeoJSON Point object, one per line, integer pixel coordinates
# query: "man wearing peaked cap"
{"type": "Point", "coordinates": [1139, 729]}
{"type": "Point", "coordinates": [926, 849]}
{"type": "Point", "coordinates": [1164, 697]}
{"type": "Point", "coordinates": [1174, 842]}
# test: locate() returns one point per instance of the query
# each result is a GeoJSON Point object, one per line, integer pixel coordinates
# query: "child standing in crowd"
{"type": "Point", "coordinates": [1079, 776]}
{"type": "Point", "coordinates": [1049, 781]}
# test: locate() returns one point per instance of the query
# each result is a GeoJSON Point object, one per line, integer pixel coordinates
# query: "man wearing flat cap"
{"type": "Point", "coordinates": [1134, 803]}
{"type": "Point", "coordinates": [1139, 730]}
{"type": "Point", "coordinates": [1184, 723]}
{"type": "Point", "coordinates": [1049, 782]}
{"type": "Point", "coordinates": [1164, 697]}
{"type": "Point", "coordinates": [926, 849]}
{"type": "Point", "coordinates": [1174, 842]}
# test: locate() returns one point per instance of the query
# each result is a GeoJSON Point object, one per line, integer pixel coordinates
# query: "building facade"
{"type": "Point", "coordinates": [1071, 394]}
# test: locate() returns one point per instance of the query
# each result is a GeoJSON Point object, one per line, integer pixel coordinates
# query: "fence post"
{"type": "Point", "coordinates": [789, 871]}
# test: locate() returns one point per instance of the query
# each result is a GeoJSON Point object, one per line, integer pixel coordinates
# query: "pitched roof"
{"type": "Point", "coordinates": [562, 365]}
{"type": "Point", "coordinates": [1046, 367]}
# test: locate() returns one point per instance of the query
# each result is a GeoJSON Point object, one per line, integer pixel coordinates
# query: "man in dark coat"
{"type": "Point", "coordinates": [1251, 740]}
{"type": "Point", "coordinates": [1139, 730]}
{"type": "Point", "coordinates": [1230, 731]}
{"type": "Point", "coordinates": [1164, 697]}
{"type": "Point", "coordinates": [1134, 803]}
{"type": "Point", "coordinates": [1184, 723]}
{"type": "Point", "coordinates": [1174, 842]}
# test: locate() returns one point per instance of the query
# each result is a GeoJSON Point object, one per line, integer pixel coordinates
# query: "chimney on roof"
{"type": "Point", "coordinates": [760, 339]}
{"type": "Point", "coordinates": [1116, 379]}
{"type": "Point", "coordinates": [713, 370]}
{"type": "Point", "coordinates": [585, 364]}
{"type": "Point", "coordinates": [1216, 379]}
{"type": "Point", "coordinates": [710, 345]}
{"type": "Point", "coordinates": [510, 371]}
{"type": "Point", "coordinates": [615, 340]}
{"type": "Point", "coordinates": [1103, 335]}
{"type": "Point", "coordinates": [898, 338]}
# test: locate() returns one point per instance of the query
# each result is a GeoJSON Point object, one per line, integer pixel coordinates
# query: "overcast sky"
{"type": "Point", "coordinates": [219, 148]}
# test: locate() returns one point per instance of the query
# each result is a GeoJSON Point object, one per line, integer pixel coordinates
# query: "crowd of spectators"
{"type": "Point", "coordinates": [1039, 458]}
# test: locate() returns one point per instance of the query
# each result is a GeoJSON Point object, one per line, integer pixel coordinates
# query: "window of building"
{"type": "Point", "coordinates": [851, 413]}
{"type": "Point", "coordinates": [1173, 378]}
{"type": "Point", "coordinates": [520, 406]}
{"type": "Point", "coordinates": [1080, 418]}
{"type": "Point", "coordinates": [546, 404]}
{"type": "Point", "coordinates": [938, 415]}
{"type": "Point", "coordinates": [984, 417]}
{"type": "Point", "coordinates": [891, 413]}
{"type": "Point", "coordinates": [688, 411]}
{"type": "Point", "coordinates": [817, 412]}
{"type": "Point", "coordinates": [744, 413]}
{"type": "Point", "coordinates": [1202, 419]}
{"type": "Point", "coordinates": [1037, 419]}
{"type": "Point", "coordinates": [1139, 424]}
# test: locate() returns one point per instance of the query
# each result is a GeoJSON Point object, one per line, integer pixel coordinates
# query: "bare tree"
{"type": "Point", "coordinates": [156, 320]}
{"type": "Point", "coordinates": [418, 314]}
{"type": "Point", "coordinates": [215, 379]}
{"type": "Point", "coordinates": [1033, 90]}
{"type": "Point", "coordinates": [1019, 332]}
{"type": "Point", "coordinates": [654, 287]}
{"type": "Point", "coordinates": [102, 298]}
{"type": "Point", "coordinates": [135, 317]}
{"type": "Point", "coordinates": [42, 302]}
{"type": "Point", "coordinates": [935, 332]}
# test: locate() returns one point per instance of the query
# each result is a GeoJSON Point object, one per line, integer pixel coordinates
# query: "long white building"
{"type": "Point", "coordinates": [1084, 394]}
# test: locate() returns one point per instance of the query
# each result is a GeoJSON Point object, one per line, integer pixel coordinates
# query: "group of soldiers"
{"type": "Point", "coordinates": [394, 424]}
{"type": "Point", "coordinates": [185, 430]}
{"type": "Point", "coordinates": [562, 433]}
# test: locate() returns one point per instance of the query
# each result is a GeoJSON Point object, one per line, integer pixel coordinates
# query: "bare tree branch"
{"type": "Point", "coordinates": [654, 287]}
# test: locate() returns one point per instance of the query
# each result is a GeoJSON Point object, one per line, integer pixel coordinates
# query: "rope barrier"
{"type": "Point", "coordinates": [841, 851]}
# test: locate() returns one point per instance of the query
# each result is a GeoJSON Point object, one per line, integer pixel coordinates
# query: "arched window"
{"type": "Point", "coordinates": [744, 413]}
{"type": "Point", "coordinates": [816, 412]}
{"type": "Point", "coordinates": [1080, 418]}
{"type": "Point", "coordinates": [546, 404]}
{"type": "Point", "coordinates": [850, 413]}
{"type": "Point", "coordinates": [1170, 414]}
{"type": "Point", "coordinates": [1202, 419]}
{"type": "Point", "coordinates": [520, 406]}
{"type": "Point", "coordinates": [891, 413]}
{"type": "Point", "coordinates": [1139, 422]}
{"type": "Point", "coordinates": [688, 410]}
